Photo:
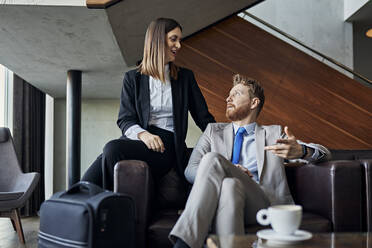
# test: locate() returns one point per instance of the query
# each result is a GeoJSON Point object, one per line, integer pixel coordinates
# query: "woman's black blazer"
{"type": "Point", "coordinates": [186, 96]}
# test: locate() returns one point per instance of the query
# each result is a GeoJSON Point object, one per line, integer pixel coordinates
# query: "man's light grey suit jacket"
{"type": "Point", "coordinates": [219, 137]}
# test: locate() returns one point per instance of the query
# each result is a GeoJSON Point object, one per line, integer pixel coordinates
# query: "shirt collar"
{"type": "Point", "coordinates": [249, 128]}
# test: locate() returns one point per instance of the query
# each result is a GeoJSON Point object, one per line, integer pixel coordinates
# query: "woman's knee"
{"type": "Point", "coordinates": [94, 172]}
{"type": "Point", "coordinates": [111, 148]}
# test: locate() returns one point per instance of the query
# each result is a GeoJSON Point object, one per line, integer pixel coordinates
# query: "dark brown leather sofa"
{"type": "Point", "coordinates": [335, 195]}
{"type": "Point", "coordinates": [364, 157]}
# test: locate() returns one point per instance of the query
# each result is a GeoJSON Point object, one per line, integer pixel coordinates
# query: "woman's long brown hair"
{"type": "Point", "coordinates": [154, 49]}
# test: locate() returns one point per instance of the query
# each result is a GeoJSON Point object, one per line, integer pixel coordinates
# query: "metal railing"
{"type": "Point", "coordinates": [344, 67]}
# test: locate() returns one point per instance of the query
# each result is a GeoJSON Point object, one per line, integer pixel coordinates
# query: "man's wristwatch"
{"type": "Point", "coordinates": [304, 151]}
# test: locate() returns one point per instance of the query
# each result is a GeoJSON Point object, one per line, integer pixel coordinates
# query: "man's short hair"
{"type": "Point", "coordinates": [254, 88]}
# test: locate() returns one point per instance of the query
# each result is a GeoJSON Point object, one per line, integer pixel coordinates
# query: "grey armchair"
{"type": "Point", "coordinates": [15, 187]}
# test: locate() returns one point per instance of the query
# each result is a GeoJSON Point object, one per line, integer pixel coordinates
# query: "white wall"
{"type": "Point", "coordinates": [98, 126]}
{"type": "Point", "coordinates": [193, 133]}
{"type": "Point", "coordinates": [2, 96]}
{"type": "Point", "coordinates": [317, 23]}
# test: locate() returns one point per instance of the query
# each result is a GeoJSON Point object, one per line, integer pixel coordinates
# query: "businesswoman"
{"type": "Point", "coordinates": [154, 104]}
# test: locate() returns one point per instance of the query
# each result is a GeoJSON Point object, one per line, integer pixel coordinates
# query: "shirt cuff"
{"type": "Point", "coordinates": [133, 131]}
{"type": "Point", "coordinates": [317, 155]}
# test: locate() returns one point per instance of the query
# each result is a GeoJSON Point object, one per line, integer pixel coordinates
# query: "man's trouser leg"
{"type": "Point", "coordinates": [193, 225]}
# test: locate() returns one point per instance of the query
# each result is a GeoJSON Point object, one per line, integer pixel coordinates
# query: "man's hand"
{"type": "Point", "coordinates": [152, 142]}
{"type": "Point", "coordinates": [245, 170]}
{"type": "Point", "coordinates": [286, 148]}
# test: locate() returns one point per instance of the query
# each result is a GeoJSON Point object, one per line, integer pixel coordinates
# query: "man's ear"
{"type": "Point", "coordinates": [255, 102]}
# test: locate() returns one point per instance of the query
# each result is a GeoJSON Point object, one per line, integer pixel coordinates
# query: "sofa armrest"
{"type": "Point", "coordinates": [331, 189]}
{"type": "Point", "coordinates": [133, 177]}
{"type": "Point", "coordinates": [367, 185]}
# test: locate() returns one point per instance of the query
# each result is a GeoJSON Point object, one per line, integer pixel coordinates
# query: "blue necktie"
{"type": "Point", "coordinates": [238, 145]}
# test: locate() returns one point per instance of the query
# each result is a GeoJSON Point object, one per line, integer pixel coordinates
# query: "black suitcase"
{"type": "Point", "coordinates": [87, 216]}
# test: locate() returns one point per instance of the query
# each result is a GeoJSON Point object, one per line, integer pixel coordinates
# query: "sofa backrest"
{"type": "Point", "coordinates": [172, 191]}
{"type": "Point", "coordinates": [350, 154]}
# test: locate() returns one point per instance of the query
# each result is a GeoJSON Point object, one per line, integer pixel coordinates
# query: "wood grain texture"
{"type": "Point", "coordinates": [100, 4]}
{"type": "Point", "coordinates": [318, 103]}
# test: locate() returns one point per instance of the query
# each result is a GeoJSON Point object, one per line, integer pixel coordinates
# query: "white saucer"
{"type": "Point", "coordinates": [273, 237]}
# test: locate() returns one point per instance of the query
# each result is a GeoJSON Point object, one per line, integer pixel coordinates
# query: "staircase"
{"type": "Point", "coordinates": [318, 103]}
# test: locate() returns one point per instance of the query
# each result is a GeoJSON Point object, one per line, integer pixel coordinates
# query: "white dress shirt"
{"type": "Point", "coordinates": [161, 108]}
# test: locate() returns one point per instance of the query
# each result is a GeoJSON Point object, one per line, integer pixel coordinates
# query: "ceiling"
{"type": "Point", "coordinates": [130, 18]}
{"type": "Point", "coordinates": [41, 43]}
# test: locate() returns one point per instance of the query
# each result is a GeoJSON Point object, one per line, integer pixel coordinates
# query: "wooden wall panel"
{"type": "Point", "coordinates": [318, 103]}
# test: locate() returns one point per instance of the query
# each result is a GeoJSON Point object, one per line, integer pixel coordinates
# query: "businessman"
{"type": "Point", "coordinates": [237, 168]}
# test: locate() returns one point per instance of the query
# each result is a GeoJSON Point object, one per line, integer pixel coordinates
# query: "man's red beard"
{"type": "Point", "coordinates": [237, 114]}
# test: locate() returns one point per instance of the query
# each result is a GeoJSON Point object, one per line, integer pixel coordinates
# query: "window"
{"type": "Point", "coordinates": [2, 96]}
{"type": "Point", "coordinates": [6, 93]}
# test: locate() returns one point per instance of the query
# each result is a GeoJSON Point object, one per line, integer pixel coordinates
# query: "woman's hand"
{"type": "Point", "coordinates": [152, 142]}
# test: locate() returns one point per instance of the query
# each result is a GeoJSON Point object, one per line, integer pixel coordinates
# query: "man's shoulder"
{"type": "Point", "coordinates": [218, 126]}
{"type": "Point", "coordinates": [271, 128]}
{"type": "Point", "coordinates": [222, 125]}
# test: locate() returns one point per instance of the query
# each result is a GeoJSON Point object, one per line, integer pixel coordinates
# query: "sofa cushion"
{"type": "Point", "coordinates": [9, 196]}
{"type": "Point", "coordinates": [171, 192]}
{"type": "Point", "coordinates": [160, 226]}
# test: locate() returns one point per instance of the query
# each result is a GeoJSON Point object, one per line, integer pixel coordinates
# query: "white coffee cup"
{"type": "Point", "coordinates": [284, 219]}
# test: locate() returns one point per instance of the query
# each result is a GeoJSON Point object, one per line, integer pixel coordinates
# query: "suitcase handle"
{"type": "Point", "coordinates": [84, 187]}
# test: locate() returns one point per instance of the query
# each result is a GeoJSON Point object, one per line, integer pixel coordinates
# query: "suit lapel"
{"type": "Point", "coordinates": [260, 144]}
{"type": "Point", "coordinates": [144, 99]}
{"type": "Point", "coordinates": [228, 138]}
{"type": "Point", "coordinates": [176, 99]}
